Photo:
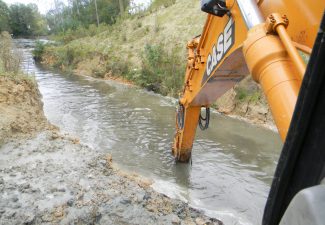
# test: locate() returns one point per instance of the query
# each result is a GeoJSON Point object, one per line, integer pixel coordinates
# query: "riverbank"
{"type": "Point", "coordinates": [149, 51]}
{"type": "Point", "coordinates": [50, 178]}
{"type": "Point", "coordinates": [21, 107]}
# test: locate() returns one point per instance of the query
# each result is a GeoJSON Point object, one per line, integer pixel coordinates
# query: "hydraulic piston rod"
{"type": "Point", "coordinates": [250, 12]}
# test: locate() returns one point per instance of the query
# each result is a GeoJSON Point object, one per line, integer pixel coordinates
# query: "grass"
{"type": "Point", "coordinates": [124, 49]}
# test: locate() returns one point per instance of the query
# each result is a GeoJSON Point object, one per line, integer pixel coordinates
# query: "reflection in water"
{"type": "Point", "coordinates": [233, 162]}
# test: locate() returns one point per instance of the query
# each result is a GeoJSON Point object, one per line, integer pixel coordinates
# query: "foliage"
{"type": "Point", "coordinates": [244, 94]}
{"type": "Point", "coordinates": [25, 20]}
{"type": "Point", "coordinates": [22, 20]}
{"type": "Point", "coordinates": [82, 13]}
{"type": "Point", "coordinates": [4, 17]}
{"type": "Point", "coordinates": [38, 50]}
{"type": "Point", "coordinates": [162, 71]}
{"type": "Point", "coordinates": [80, 32]}
{"type": "Point", "coordinates": [9, 57]}
{"type": "Point", "coordinates": [156, 4]}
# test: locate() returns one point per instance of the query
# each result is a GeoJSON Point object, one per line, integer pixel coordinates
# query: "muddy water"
{"type": "Point", "coordinates": [233, 161]}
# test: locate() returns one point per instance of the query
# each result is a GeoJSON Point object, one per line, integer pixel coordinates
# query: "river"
{"type": "Point", "coordinates": [232, 162]}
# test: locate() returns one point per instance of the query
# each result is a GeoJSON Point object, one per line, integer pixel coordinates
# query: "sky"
{"type": "Point", "coordinates": [45, 5]}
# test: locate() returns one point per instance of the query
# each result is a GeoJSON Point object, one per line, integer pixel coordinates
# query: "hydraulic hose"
{"type": "Point", "coordinates": [204, 121]}
{"type": "Point", "coordinates": [180, 116]}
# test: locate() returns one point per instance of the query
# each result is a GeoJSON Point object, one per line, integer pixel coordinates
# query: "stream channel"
{"type": "Point", "coordinates": [232, 162]}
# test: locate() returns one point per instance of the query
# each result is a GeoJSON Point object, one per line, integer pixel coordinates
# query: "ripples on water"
{"type": "Point", "coordinates": [233, 162]}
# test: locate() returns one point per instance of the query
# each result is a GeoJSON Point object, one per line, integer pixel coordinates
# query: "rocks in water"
{"type": "Point", "coordinates": [61, 189]}
{"type": "Point", "coordinates": [147, 196]}
{"type": "Point", "coordinates": [59, 212]}
{"type": "Point", "coordinates": [27, 218]}
{"type": "Point", "coordinates": [125, 201]}
{"type": "Point", "coordinates": [23, 187]}
{"type": "Point", "coordinates": [175, 220]}
{"type": "Point", "coordinates": [70, 202]}
{"type": "Point", "coordinates": [14, 198]}
{"type": "Point", "coordinates": [46, 218]}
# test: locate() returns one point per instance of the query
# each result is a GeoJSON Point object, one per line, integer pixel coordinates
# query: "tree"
{"type": "Point", "coordinates": [83, 13]}
{"type": "Point", "coordinates": [25, 20]}
{"type": "Point", "coordinates": [97, 18]}
{"type": "Point", "coordinates": [4, 17]}
{"type": "Point", "coordinates": [121, 6]}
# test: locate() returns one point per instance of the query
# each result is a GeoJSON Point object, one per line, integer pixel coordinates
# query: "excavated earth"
{"type": "Point", "coordinates": [50, 178]}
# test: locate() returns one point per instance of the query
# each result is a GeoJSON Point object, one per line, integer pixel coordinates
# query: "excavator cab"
{"type": "Point", "coordinates": [265, 39]}
{"type": "Point", "coordinates": [214, 7]}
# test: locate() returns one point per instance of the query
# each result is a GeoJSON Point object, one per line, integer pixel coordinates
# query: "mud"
{"type": "Point", "coordinates": [52, 179]}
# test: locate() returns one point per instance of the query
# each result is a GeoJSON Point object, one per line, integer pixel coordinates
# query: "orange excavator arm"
{"type": "Point", "coordinates": [243, 37]}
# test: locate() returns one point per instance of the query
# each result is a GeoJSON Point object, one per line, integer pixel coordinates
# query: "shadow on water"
{"type": "Point", "coordinates": [233, 162]}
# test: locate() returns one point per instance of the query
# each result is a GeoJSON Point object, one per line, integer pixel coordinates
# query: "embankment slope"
{"type": "Point", "coordinates": [119, 50]}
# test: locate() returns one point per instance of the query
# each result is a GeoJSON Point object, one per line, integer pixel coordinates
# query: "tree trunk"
{"type": "Point", "coordinates": [97, 18]}
{"type": "Point", "coordinates": [121, 6]}
{"type": "Point", "coordinates": [77, 4]}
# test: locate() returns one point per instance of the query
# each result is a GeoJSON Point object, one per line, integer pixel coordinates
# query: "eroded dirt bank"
{"type": "Point", "coordinates": [50, 178]}
{"type": "Point", "coordinates": [21, 108]}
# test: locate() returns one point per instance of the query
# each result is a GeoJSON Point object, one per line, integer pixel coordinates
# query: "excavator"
{"type": "Point", "coordinates": [266, 39]}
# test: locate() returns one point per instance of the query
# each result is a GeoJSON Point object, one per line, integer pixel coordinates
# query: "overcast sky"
{"type": "Point", "coordinates": [46, 5]}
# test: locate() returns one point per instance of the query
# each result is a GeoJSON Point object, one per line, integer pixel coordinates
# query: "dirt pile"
{"type": "Point", "coordinates": [21, 108]}
{"type": "Point", "coordinates": [52, 179]}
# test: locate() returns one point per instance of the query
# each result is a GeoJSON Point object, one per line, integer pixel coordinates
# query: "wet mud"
{"type": "Point", "coordinates": [52, 179]}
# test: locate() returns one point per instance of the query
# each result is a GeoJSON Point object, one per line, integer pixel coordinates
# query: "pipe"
{"type": "Point", "coordinates": [292, 51]}
{"type": "Point", "coordinates": [250, 12]}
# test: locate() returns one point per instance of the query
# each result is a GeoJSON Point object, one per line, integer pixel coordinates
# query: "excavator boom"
{"type": "Point", "coordinates": [243, 37]}
{"type": "Point", "coordinates": [265, 38]}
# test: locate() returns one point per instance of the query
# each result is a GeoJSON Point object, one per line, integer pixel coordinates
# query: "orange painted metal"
{"type": "Point", "coordinates": [184, 139]}
{"type": "Point", "coordinates": [276, 23]}
{"type": "Point", "coordinates": [209, 73]}
{"type": "Point", "coordinates": [276, 73]}
{"type": "Point", "coordinates": [304, 17]}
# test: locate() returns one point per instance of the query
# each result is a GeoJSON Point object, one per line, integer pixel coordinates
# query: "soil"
{"type": "Point", "coordinates": [21, 108]}
{"type": "Point", "coordinates": [50, 178]}
{"type": "Point", "coordinates": [255, 111]}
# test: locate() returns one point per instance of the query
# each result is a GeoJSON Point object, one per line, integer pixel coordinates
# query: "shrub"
{"type": "Point", "coordinates": [116, 66]}
{"type": "Point", "coordinates": [162, 71]}
{"type": "Point", "coordinates": [156, 4]}
{"type": "Point", "coordinates": [38, 50]}
{"type": "Point", "coordinates": [10, 58]}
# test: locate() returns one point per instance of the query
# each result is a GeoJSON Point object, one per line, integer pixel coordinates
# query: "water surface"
{"type": "Point", "coordinates": [232, 162]}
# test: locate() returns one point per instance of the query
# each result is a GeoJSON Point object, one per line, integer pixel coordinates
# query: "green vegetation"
{"type": "Point", "coordinates": [80, 14]}
{"type": "Point", "coordinates": [22, 20]}
{"type": "Point", "coordinates": [244, 94]}
{"type": "Point", "coordinates": [146, 47]}
{"type": "Point", "coordinates": [38, 50]}
{"type": "Point", "coordinates": [73, 21]}
{"type": "Point", "coordinates": [4, 17]}
{"type": "Point", "coordinates": [161, 71]}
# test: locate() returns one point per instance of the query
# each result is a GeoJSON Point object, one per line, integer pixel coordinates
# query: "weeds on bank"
{"type": "Point", "coordinates": [10, 60]}
{"type": "Point", "coordinates": [162, 70]}
{"type": "Point", "coordinates": [38, 50]}
{"type": "Point", "coordinates": [247, 95]}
